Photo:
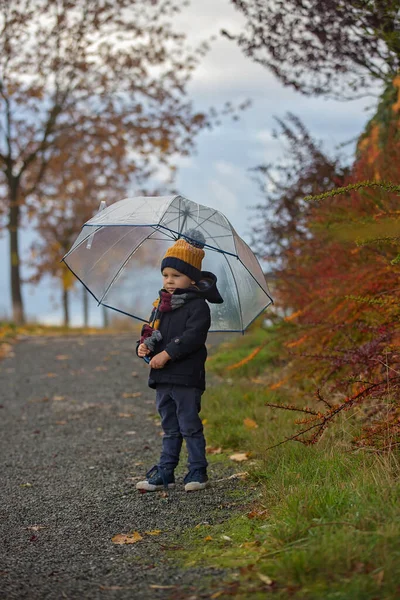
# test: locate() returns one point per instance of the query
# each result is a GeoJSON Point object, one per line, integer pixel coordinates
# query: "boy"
{"type": "Point", "coordinates": [175, 342]}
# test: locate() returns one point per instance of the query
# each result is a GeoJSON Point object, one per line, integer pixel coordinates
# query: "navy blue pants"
{"type": "Point", "coordinates": [179, 408]}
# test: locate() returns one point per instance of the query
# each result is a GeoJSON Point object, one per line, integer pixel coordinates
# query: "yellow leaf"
{"type": "Point", "coordinates": [204, 421]}
{"type": "Point", "coordinates": [127, 538]}
{"type": "Point", "coordinates": [125, 415]}
{"type": "Point", "coordinates": [62, 357]}
{"type": "Point", "coordinates": [162, 587]}
{"type": "Point", "coordinates": [240, 456]}
{"type": "Point", "coordinates": [265, 578]}
{"type": "Point", "coordinates": [25, 485]}
{"type": "Point", "coordinates": [249, 423]}
{"type": "Point", "coordinates": [58, 398]}
{"type": "Point", "coordinates": [379, 577]}
{"type": "Point", "coordinates": [131, 395]}
{"type": "Point", "coordinates": [210, 450]}
{"type": "Point", "coordinates": [216, 595]}
{"type": "Point", "coordinates": [154, 532]}
{"type": "Point", "coordinates": [208, 538]}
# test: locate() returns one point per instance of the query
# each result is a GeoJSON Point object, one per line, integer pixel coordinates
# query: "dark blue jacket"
{"type": "Point", "coordinates": [184, 333]}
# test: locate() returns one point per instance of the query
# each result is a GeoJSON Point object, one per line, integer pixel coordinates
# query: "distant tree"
{"type": "Point", "coordinates": [80, 180]}
{"type": "Point", "coordinates": [323, 47]}
{"type": "Point", "coordinates": [110, 72]}
{"type": "Point", "coordinates": [281, 218]}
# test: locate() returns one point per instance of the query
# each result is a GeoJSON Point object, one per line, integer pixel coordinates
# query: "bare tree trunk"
{"type": "Point", "coordinates": [16, 296]}
{"type": "Point", "coordinates": [105, 317]}
{"type": "Point", "coordinates": [65, 300]}
{"type": "Point", "coordinates": [85, 308]}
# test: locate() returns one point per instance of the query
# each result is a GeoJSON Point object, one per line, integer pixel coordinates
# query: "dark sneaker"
{"type": "Point", "coordinates": [195, 480]}
{"type": "Point", "coordinates": [157, 478]}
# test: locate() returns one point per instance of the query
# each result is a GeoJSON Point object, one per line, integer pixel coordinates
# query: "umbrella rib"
{"type": "Point", "coordinates": [237, 291]}
{"type": "Point", "coordinates": [199, 224]}
{"type": "Point", "coordinates": [234, 280]}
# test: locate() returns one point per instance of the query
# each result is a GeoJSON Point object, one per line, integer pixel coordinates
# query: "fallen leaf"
{"type": "Point", "coordinates": [216, 595]}
{"type": "Point", "coordinates": [242, 475]}
{"type": "Point", "coordinates": [130, 433]}
{"type": "Point", "coordinates": [101, 368]}
{"type": "Point", "coordinates": [204, 421]}
{"type": "Point", "coordinates": [265, 578]}
{"type": "Point", "coordinates": [50, 375]}
{"type": "Point", "coordinates": [162, 587]}
{"type": "Point", "coordinates": [240, 456]}
{"type": "Point", "coordinates": [127, 538]}
{"type": "Point", "coordinates": [125, 415]}
{"type": "Point", "coordinates": [248, 545]}
{"type": "Point", "coordinates": [249, 423]}
{"type": "Point", "coordinates": [226, 537]}
{"type": "Point", "coordinates": [134, 374]}
{"type": "Point", "coordinates": [213, 450]}
{"type": "Point", "coordinates": [25, 485]}
{"type": "Point", "coordinates": [61, 422]}
{"type": "Point", "coordinates": [58, 398]}
{"type": "Point", "coordinates": [208, 538]}
{"type": "Point", "coordinates": [379, 577]}
{"type": "Point", "coordinates": [110, 587]}
{"type": "Point", "coordinates": [131, 394]}
{"type": "Point", "coordinates": [257, 514]}
{"type": "Point", "coordinates": [36, 527]}
{"type": "Point", "coordinates": [154, 532]}
{"type": "Point", "coordinates": [62, 357]}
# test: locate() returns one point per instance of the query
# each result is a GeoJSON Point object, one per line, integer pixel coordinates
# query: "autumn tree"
{"type": "Point", "coordinates": [281, 219]}
{"type": "Point", "coordinates": [342, 284]}
{"type": "Point", "coordinates": [112, 73]}
{"type": "Point", "coordinates": [80, 181]}
{"type": "Point", "coordinates": [323, 47]}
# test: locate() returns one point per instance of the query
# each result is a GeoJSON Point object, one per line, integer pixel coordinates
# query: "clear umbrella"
{"type": "Point", "coordinates": [118, 253]}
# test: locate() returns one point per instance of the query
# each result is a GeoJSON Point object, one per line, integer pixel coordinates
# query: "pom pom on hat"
{"type": "Point", "coordinates": [195, 238]}
{"type": "Point", "coordinates": [186, 254]}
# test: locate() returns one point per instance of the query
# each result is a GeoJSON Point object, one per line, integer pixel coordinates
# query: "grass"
{"type": "Point", "coordinates": [327, 521]}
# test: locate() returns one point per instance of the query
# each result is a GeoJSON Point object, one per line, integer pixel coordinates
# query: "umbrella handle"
{"type": "Point", "coordinates": [146, 359]}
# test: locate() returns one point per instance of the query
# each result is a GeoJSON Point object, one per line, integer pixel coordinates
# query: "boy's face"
{"type": "Point", "coordinates": [173, 279]}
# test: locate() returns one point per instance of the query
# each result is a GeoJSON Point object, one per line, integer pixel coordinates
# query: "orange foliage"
{"type": "Point", "coordinates": [246, 359]}
{"type": "Point", "coordinates": [345, 296]}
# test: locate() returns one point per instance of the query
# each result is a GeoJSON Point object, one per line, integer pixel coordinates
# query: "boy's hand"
{"type": "Point", "coordinates": [143, 350]}
{"type": "Point", "coordinates": [159, 360]}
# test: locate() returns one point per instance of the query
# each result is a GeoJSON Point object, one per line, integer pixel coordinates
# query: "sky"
{"type": "Point", "coordinates": [217, 174]}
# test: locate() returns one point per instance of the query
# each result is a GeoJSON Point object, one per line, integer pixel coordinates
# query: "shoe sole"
{"type": "Point", "coordinates": [148, 487]}
{"type": "Point", "coordinates": [194, 486]}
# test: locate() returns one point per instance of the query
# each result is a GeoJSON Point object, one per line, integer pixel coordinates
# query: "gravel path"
{"type": "Point", "coordinates": [73, 442]}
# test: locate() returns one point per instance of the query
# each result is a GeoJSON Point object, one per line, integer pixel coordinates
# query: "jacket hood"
{"type": "Point", "coordinates": [205, 288]}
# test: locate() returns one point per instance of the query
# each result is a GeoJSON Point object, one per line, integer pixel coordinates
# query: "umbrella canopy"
{"type": "Point", "coordinates": [117, 256]}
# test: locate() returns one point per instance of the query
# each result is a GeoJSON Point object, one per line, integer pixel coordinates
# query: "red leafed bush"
{"type": "Point", "coordinates": [342, 281]}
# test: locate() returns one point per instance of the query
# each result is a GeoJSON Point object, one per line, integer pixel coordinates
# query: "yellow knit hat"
{"type": "Point", "coordinates": [186, 254]}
